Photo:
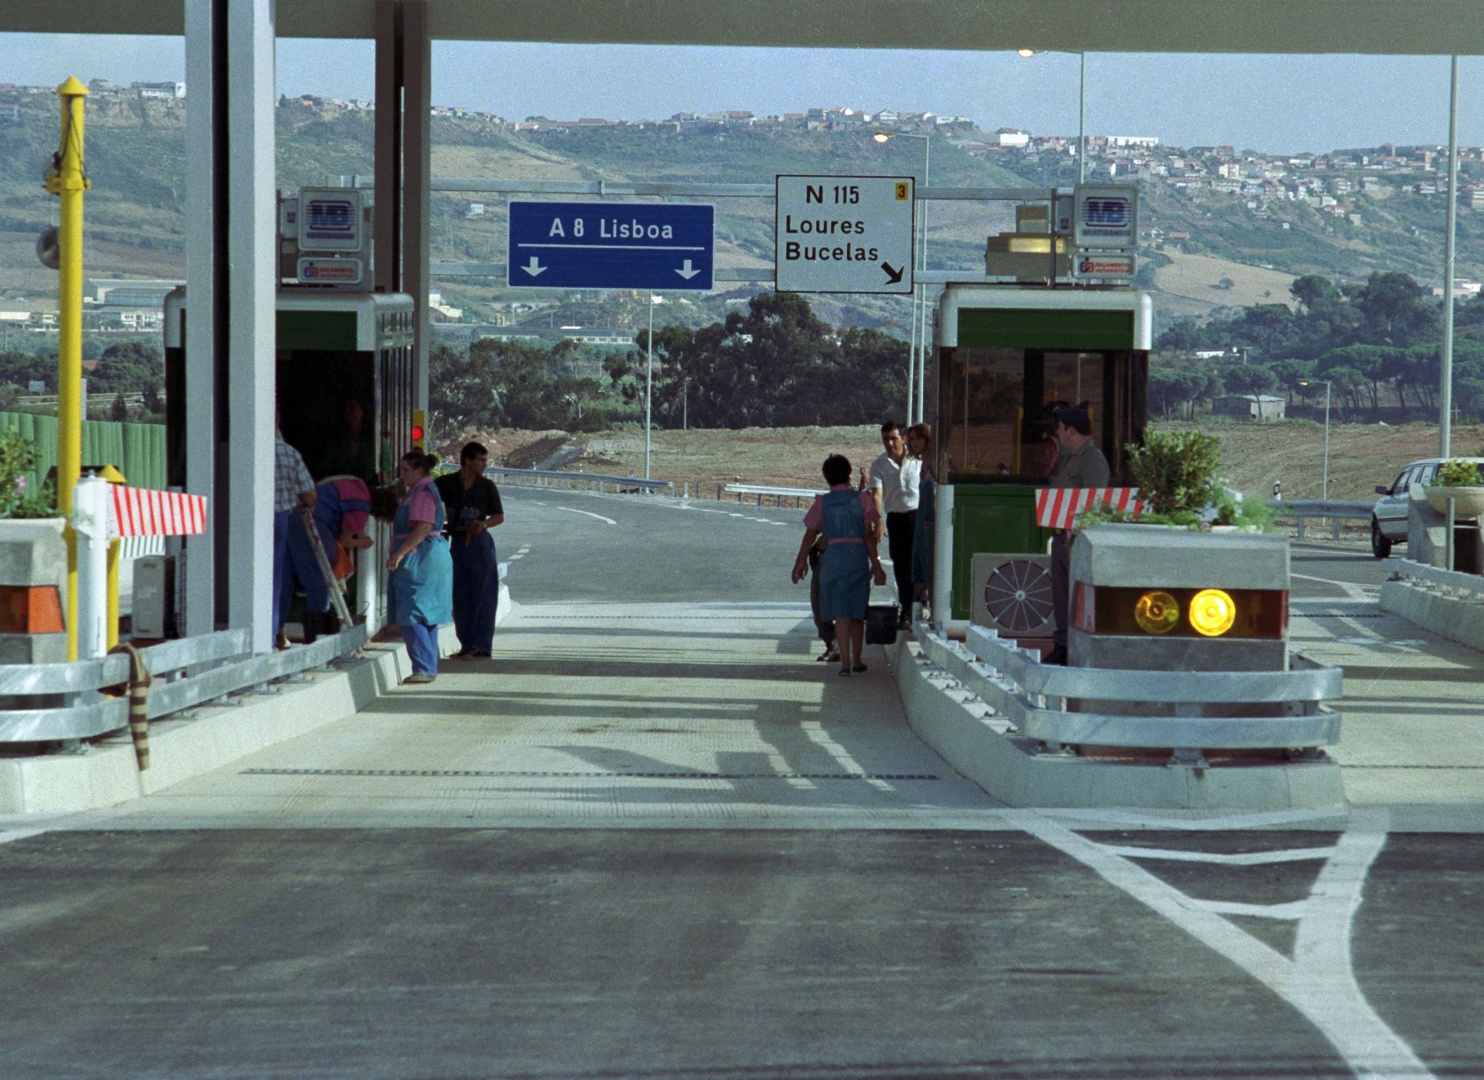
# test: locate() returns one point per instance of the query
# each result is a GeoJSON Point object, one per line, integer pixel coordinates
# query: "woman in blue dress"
{"type": "Point", "coordinates": [850, 522]}
{"type": "Point", "coordinates": [420, 566]}
{"type": "Point", "coordinates": [920, 446]}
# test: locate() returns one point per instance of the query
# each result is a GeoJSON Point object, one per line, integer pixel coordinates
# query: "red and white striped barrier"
{"type": "Point", "coordinates": [1057, 508]}
{"type": "Point", "coordinates": [143, 512]}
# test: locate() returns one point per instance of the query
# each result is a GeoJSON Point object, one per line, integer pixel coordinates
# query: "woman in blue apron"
{"type": "Point", "coordinates": [421, 570]}
{"type": "Point", "coordinates": [849, 564]}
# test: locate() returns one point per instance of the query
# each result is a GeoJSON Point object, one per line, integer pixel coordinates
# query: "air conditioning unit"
{"type": "Point", "coordinates": [1012, 594]}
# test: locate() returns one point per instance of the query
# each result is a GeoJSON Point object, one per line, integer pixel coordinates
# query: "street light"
{"type": "Point", "coordinates": [917, 362]}
{"type": "Point", "coordinates": [1081, 107]}
{"type": "Point", "coordinates": [649, 376]}
{"type": "Point", "coordinates": [1305, 382]}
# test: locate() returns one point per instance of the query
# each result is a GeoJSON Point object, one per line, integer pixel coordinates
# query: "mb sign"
{"type": "Point", "coordinates": [572, 245]}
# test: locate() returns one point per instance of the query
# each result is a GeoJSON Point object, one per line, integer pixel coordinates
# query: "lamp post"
{"type": "Point", "coordinates": [917, 363]}
{"type": "Point", "coordinates": [1081, 108]}
{"type": "Point", "coordinates": [1445, 395]}
{"type": "Point", "coordinates": [1305, 382]}
{"type": "Point", "coordinates": [648, 380]}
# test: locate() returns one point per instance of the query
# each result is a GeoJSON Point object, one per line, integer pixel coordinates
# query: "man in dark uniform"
{"type": "Point", "coordinates": [472, 507]}
{"type": "Point", "coordinates": [1082, 467]}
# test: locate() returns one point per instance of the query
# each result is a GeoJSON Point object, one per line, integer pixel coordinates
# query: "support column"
{"type": "Point", "coordinates": [205, 339]}
{"type": "Point", "coordinates": [417, 109]}
{"type": "Point", "coordinates": [252, 255]}
{"type": "Point", "coordinates": [386, 229]}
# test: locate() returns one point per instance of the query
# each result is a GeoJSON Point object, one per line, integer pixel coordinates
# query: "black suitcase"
{"type": "Point", "coordinates": [881, 624]}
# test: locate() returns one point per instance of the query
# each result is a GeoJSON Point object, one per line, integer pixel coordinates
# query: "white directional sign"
{"type": "Point", "coordinates": [845, 234]}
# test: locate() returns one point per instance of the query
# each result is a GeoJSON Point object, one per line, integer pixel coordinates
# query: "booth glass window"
{"type": "Point", "coordinates": [996, 405]}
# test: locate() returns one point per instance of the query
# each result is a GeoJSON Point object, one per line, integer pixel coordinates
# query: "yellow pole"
{"type": "Point", "coordinates": [67, 179]}
{"type": "Point", "coordinates": [113, 592]}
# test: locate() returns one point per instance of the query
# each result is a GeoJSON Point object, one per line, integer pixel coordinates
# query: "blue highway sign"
{"type": "Point", "coordinates": [578, 245]}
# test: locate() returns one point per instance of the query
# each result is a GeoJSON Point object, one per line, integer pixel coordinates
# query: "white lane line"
{"type": "Point", "coordinates": [1246, 858]}
{"type": "Point", "coordinates": [10, 835]}
{"type": "Point", "coordinates": [1319, 981]}
{"type": "Point", "coordinates": [1294, 910]}
{"type": "Point", "coordinates": [521, 554]}
{"type": "Point", "coordinates": [1353, 592]}
{"type": "Point", "coordinates": [588, 513]}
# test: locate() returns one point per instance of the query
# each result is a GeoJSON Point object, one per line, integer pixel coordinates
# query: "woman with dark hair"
{"type": "Point", "coordinates": [920, 446]}
{"type": "Point", "coordinates": [849, 564]}
{"type": "Point", "coordinates": [421, 570]}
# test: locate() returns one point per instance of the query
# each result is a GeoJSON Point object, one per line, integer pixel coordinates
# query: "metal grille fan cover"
{"type": "Point", "coordinates": [1012, 594]}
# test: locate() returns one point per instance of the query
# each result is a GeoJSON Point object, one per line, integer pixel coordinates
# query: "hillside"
{"type": "Point", "coordinates": [135, 227]}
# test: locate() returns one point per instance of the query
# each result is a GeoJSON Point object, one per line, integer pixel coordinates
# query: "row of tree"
{"type": "Point", "coordinates": [1362, 338]}
{"type": "Point", "coordinates": [775, 365]}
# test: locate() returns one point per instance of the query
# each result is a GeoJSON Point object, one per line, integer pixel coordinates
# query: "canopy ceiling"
{"type": "Point", "coordinates": [1432, 27]}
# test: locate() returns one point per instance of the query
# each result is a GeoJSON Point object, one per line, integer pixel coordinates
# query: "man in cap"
{"type": "Point", "coordinates": [1084, 466]}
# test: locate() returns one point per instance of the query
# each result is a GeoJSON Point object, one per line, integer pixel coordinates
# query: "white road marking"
{"type": "Point", "coordinates": [1352, 592]}
{"type": "Point", "coordinates": [1319, 981]}
{"type": "Point", "coordinates": [10, 835]}
{"type": "Point", "coordinates": [588, 513]}
{"type": "Point", "coordinates": [1248, 858]}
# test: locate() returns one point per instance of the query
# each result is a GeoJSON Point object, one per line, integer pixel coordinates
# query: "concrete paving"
{"type": "Point", "coordinates": [699, 715]}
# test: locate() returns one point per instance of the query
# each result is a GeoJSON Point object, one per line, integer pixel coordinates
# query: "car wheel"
{"type": "Point", "coordinates": [1380, 546]}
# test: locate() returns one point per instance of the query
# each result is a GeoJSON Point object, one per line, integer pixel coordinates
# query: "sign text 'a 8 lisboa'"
{"type": "Point", "coordinates": [586, 245]}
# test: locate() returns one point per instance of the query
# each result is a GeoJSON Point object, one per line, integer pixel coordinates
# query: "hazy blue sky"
{"type": "Point", "coordinates": [1281, 104]}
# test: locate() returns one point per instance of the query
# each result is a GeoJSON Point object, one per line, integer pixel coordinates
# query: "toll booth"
{"type": "Point", "coordinates": [1005, 353]}
{"type": "Point", "coordinates": [345, 365]}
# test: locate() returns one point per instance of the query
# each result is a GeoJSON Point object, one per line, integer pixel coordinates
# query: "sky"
{"type": "Point", "coordinates": [1274, 104]}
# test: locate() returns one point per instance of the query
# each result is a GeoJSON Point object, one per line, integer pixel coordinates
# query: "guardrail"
{"type": "Point", "coordinates": [1336, 510]}
{"type": "Point", "coordinates": [1449, 581]}
{"type": "Point", "coordinates": [761, 490]}
{"type": "Point", "coordinates": [577, 481]}
{"type": "Point", "coordinates": [1213, 709]}
{"type": "Point", "coordinates": [42, 703]}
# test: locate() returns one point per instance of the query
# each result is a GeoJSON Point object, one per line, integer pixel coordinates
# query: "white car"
{"type": "Point", "coordinates": [1389, 517]}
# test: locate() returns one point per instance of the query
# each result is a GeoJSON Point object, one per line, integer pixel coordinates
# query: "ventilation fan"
{"type": "Point", "coordinates": [1012, 594]}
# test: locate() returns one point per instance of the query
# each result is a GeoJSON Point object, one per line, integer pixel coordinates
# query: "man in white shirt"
{"type": "Point", "coordinates": [894, 480]}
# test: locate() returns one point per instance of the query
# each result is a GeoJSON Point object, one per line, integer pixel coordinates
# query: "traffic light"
{"type": "Point", "coordinates": [419, 429]}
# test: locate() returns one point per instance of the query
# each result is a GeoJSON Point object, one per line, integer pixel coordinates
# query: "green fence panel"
{"type": "Point", "coordinates": [144, 455]}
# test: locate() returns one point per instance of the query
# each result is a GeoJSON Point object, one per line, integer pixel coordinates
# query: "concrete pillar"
{"type": "Point", "coordinates": [253, 264]}
{"type": "Point", "coordinates": [207, 213]}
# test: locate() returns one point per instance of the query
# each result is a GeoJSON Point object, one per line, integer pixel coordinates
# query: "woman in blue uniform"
{"type": "Point", "coordinates": [850, 521]}
{"type": "Point", "coordinates": [420, 567]}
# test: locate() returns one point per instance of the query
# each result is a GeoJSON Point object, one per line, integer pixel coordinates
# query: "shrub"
{"type": "Point", "coordinates": [17, 458]}
{"type": "Point", "coordinates": [1456, 473]}
{"type": "Point", "coordinates": [1176, 471]}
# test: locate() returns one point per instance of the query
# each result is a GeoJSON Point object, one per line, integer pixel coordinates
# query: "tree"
{"type": "Point", "coordinates": [119, 410]}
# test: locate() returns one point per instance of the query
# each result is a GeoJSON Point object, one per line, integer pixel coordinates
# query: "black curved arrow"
{"type": "Point", "coordinates": [893, 275]}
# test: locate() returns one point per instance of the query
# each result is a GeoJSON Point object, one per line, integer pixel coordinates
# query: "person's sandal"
{"type": "Point", "coordinates": [859, 667]}
{"type": "Point", "coordinates": [844, 671]}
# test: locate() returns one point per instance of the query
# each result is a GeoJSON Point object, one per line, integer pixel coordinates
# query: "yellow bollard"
{"type": "Point", "coordinates": [67, 179]}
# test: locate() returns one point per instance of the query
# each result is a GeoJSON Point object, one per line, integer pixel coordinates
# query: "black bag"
{"type": "Point", "coordinates": [881, 624]}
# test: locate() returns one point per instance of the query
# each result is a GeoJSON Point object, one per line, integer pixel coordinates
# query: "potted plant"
{"type": "Point", "coordinates": [1175, 472]}
{"type": "Point", "coordinates": [1459, 481]}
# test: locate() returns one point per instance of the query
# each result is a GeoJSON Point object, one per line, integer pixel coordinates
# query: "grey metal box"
{"type": "Point", "coordinates": [154, 596]}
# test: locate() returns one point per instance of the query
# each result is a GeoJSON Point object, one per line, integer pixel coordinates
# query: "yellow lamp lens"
{"type": "Point", "coordinates": [1156, 612]}
{"type": "Point", "coordinates": [1212, 612]}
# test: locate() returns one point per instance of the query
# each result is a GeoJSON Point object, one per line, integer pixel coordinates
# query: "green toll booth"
{"type": "Point", "coordinates": [345, 369]}
{"type": "Point", "coordinates": [1006, 355]}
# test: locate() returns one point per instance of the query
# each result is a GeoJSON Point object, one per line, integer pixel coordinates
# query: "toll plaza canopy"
{"type": "Point", "coordinates": [1429, 27]}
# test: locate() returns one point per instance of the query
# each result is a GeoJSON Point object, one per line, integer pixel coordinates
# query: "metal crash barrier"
{"type": "Point", "coordinates": [576, 481]}
{"type": "Point", "coordinates": [84, 699]}
{"type": "Point", "coordinates": [1213, 708]}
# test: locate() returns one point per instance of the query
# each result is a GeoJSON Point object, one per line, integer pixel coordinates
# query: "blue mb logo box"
{"type": "Point", "coordinates": [576, 245]}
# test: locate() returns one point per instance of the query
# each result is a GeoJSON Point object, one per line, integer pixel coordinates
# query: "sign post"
{"type": "Point", "coordinates": [666, 247]}
{"type": "Point", "coordinates": [845, 234]}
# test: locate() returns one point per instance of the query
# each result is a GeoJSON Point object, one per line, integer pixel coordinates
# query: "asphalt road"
{"type": "Point", "coordinates": [1040, 945]}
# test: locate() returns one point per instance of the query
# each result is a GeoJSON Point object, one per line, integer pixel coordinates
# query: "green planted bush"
{"type": "Point", "coordinates": [1457, 473]}
{"type": "Point", "coordinates": [1176, 472]}
{"type": "Point", "coordinates": [17, 458]}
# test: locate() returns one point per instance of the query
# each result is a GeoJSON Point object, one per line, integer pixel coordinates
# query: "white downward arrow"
{"type": "Point", "coordinates": [687, 273]}
{"type": "Point", "coordinates": [533, 267]}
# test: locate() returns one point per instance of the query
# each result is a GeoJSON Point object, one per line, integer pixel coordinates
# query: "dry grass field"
{"type": "Point", "coordinates": [1197, 278]}
{"type": "Point", "coordinates": [1253, 455]}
